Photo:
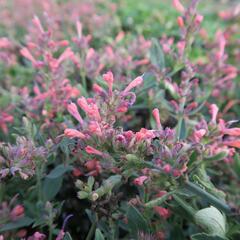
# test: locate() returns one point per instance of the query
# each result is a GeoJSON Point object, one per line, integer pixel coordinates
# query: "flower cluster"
{"type": "Point", "coordinates": [106, 133]}
{"type": "Point", "coordinates": [21, 158]}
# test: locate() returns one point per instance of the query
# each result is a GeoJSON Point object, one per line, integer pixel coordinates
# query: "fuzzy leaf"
{"type": "Point", "coordinates": [211, 220]}
{"type": "Point", "coordinates": [51, 187]}
{"type": "Point", "coordinates": [204, 236]}
{"type": "Point", "coordinates": [158, 201]}
{"type": "Point", "coordinates": [136, 220]}
{"type": "Point", "coordinates": [157, 55]}
{"type": "Point", "coordinates": [237, 164]}
{"type": "Point", "coordinates": [217, 157]}
{"type": "Point", "coordinates": [59, 171]}
{"type": "Point", "coordinates": [23, 222]}
{"type": "Point", "coordinates": [82, 195]}
{"type": "Point", "coordinates": [99, 235]}
{"type": "Point", "coordinates": [67, 236]}
{"type": "Point", "coordinates": [182, 129]}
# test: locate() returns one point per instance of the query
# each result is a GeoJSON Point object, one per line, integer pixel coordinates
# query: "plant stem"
{"type": "Point", "coordinates": [184, 205]}
{"type": "Point", "coordinates": [209, 197]}
{"type": "Point", "coordinates": [91, 231]}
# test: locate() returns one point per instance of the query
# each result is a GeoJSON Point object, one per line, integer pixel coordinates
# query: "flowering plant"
{"type": "Point", "coordinates": [106, 133]}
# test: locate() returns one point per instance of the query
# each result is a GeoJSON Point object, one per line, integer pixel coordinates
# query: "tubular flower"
{"type": "Point", "coordinates": [140, 180]}
{"type": "Point", "coordinates": [198, 134]}
{"type": "Point", "coordinates": [163, 212]}
{"type": "Point", "coordinates": [72, 133]}
{"type": "Point", "coordinates": [25, 52]}
{"type": "Point", "coordinates": [156, 116]}
{"type": "Point", "coordinates": [91, 150]}
{"type": "Point", "coordinates": [72, 109]}
{"type": "Point", "coordinates": [213, 109]}
{"type": "Point", "coordinates": [178, 6]}
{"type": "Point", "coordinates": [90, 109]}
{"type": "Point", "coordinates": [38, 24]}
{"type": "Point", "coordinates": [229, 131]}
{"type": "Point", "coordinates": [108, 78]}
{"type": "Point", "coordinates": [144, 134]}
{"type": "Point", "coordinates": [136, 82]}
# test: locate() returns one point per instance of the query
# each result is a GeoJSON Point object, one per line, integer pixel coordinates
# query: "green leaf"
{"type": "Point", "coordinates": [99, 235]}
{"type": "Point", "coordinates": [182, 129]}
{"type": "Point", "coordinates": [217, 157]}
{"type": "Point", "coordinates": [67, 236]}
{"type": "Point", "coordinates": [82, 195]}
{"type": "Point", "coordinates": [157, 55]}
{"type": "Point", "coordinates": [90, 182]}
{"type": "Point", "coordinates": [204, 236]}
{"type": "Point", "coordinates": [237, 164]}
{"type": "Point", "coordinates": [176, 233]}
{"type": "Point", "coordinates": [136, 220]}
{"type": "Point", "coordinates": [211, 220]}
{"type": "Point", "coordinates": [59, 171]}
{"type": "Point", "coordinates": [23, 222]}
{"type": "Point", "coordinates": [189, 210]}
{"type": "Point", "coordinates": [158, 201]}
{"type": "Point", "coordinates": [218, 203]}
{"type": "Point", "coordinates": [51, 187]}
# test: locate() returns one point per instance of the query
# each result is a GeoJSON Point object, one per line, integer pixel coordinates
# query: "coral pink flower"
{"type": "Point", "coordinates": [232, 143]}
{"type": "Point", "coordinates": [93, 166]}
{"type": "Point", "coordinates": [167, 168]}
{"type": "Point", "coordinates": [213, 109]}
{"type": "Point", "coordinates": [17, 212]}
{"type": "Point", "coordinates": [21, 233]}
{"type": "Point", "coordinates": [25, 52]}
{"type": "Point", "coordinates": [178, 6]}
{"type": "Point", "coordinates": [128, 135]}
{"type": "Point", "coordinates": [229, 131]}
{"type": "Point", "coordinates": [141, 62]}
{"type": "Point", "coordinates": [156, 116]}
{"type": "Point", "coordinates": [161, 193]}
{"type": "Point", "coordinates": [79, 29]}
{"type": "Point", "coordinates": [91, 150]}
{"type": "Point", "coordinates": [222, 43]}
{"type": "Point", "coordinates": [90, 109]}
{"type": "Point", "coordinates": [163, 212]}
{"type": "Point", "coordinates": [94, 128]}
{"type": "Point", "coordinates": [198, 19]}
{"type": "Point", "coordinates": [38, 24]}
{"type": "Point", "coordinates": [97, 88]}
{"type": "Point", "coordinates": [76, 172]}
{"type": "Point", "coordinates": [72, 133]}
{"type": "Point", "coordinates": [72, 109]}
{"type": "Point", "coordinates": [180, 22]}
{"type": "Point", "coordinates": [136, 82]}
{"type": "Point", "coordinates": [60, 235]}
{"type": "Point", "coordinates": [90, 54]}
{"type": "Point", "coordinates": [144, 134]}
{"type": "Point", "coordinates": [176, 173]}
{"type": "Point", "coordinates": [181, 47]}
{"type": "Point", "coordinates": [198, 134]}
{"type": "Point", "coordinates": [37, 236]}
{"type": "Point", "coordinates": [4, 119]}
{"type": "Point", "coordinates": [108, 78]}
{"type": "Point", "coordinates": [120, 36]}
{"type": "Point", "coordinates": [191, 106]}
{"type": "Point", "coordinates": [67, 54]}
{"type": "Point", "coordinates": [5, 43]}
{"type": "Point", "coordinates": [140, 180]}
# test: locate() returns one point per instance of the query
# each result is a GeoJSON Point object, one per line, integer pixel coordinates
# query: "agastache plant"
{"type": "Point", "coordinates": [153, 155]}
{"type": "Point", "coordinates": [51, 87]}
{"type": "Point", "coordinates": [109, 134]}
